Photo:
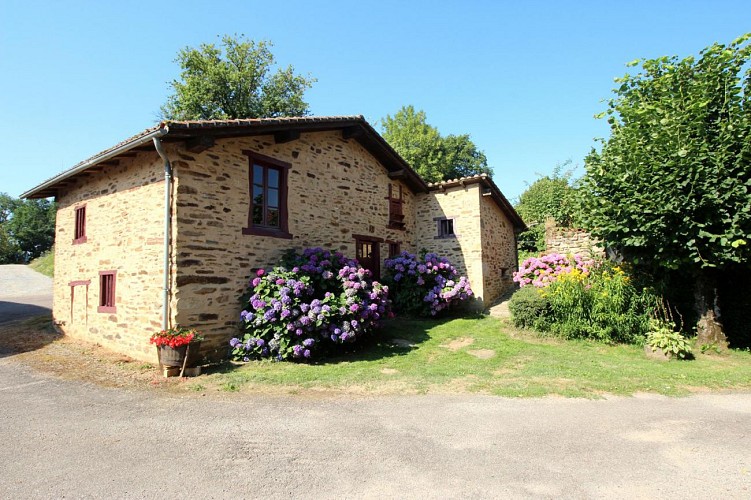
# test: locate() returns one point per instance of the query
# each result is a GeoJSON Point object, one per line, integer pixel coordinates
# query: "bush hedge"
{"type": "Point", "coordinates": [424, 285]}
{"type": "Point", "coordinates": [315, 302]}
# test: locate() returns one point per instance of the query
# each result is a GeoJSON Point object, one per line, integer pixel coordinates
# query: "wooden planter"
{"type": "Point", "coordinates": [180, 359]}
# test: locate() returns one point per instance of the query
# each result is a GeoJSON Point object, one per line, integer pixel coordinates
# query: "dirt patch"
{"type": "Point", "coordinates": [389, 371]}
{"type": "Point", "coordinates": [482, 353]}
{"type": "Point", "coordinates": [457, 344]}
{"type": "Point", "coordinates": [36, 344]}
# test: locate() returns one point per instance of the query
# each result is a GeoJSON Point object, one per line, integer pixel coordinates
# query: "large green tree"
{"type": "Point", "coordinates": [671, 187]}
{"type": "Point", "coordinates": [9, 251]}
{"type": "Point", "coordinates": [27, 228]}
{"type": "Point", "coordinates": [433, 156]}
{"type": "Point", "coordinates": [235, 80]}
{"type": "Point", "coordinates": [549, 197]}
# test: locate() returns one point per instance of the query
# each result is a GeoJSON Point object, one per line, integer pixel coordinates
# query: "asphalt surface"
{"type": "Point", "coordinates": [67, 439]}
{"type": "Point", "coordinates": [23, 293]}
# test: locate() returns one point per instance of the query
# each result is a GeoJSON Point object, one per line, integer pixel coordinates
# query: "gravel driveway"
{"type": "Point", "coordinates": [23, 293]}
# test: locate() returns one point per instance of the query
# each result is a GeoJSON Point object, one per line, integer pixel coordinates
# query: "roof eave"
{"type": "Point", "coordinates": [495, 192]}
{"type": "Point", "coordinates": [37, 192]}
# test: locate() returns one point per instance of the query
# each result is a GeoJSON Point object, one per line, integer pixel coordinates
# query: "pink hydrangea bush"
{"type": "Point", "coordinates": [542, 271]}
{"type": "Point", "coordinates": [313, 304]}
{"type": "Point", "coordinates": [424, 285]}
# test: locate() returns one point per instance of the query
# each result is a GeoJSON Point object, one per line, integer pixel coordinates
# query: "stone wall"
{"type": "Point", "coordinates": [499, 258]}
{"type": "Point", "coordinates": [124, 233]}
{"type": "Point", "coordinates": [464, 249]}
{"type": "Point", "coordinates": [566, 240]}
{"type": "Point", "coordinates": [336, 190]}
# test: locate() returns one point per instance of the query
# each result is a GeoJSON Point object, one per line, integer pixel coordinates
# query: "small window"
{"type": "Point", "coordinates": [107, 291]}
{"type": "Point", "coordinates": [268, 197]}
{"type": "Point", "coordinates": [394, 250]}
{"type": "Point", "coordinates": [79, 232]}
{"type": "Point", "coordinates": [446, 227]}
{"type": "Point", "coordinates": [396, 208]}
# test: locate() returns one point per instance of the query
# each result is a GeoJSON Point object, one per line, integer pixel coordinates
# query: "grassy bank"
{"type": "Point", "coordinates": [487, 356]}
{"type": "Point", "coordinates": [45, 263]}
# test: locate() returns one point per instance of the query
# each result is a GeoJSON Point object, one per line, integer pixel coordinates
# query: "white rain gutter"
{"type": "Point", "coordinates": [167, 229]}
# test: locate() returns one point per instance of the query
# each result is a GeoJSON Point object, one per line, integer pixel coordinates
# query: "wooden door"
{"type": "Point", "coordinates": [369, 256]}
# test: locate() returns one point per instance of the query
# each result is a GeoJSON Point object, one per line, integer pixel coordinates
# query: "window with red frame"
{"type": "Point", "coordinates": [396, 208]}
{"type": "Point", "coordinates": [268, 197]}
{"type": "Point", "coordinates": [79, 232]}
{"type": "Point", "coordinates": [107, 281]}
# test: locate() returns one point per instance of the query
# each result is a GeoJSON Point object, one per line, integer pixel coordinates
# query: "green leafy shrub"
{"type": "Point", "coordinates": [662, 336]}
{"type": "Point", "coordinates": [598, 302]}
{"type": "Point", "coordinates": [603, 305]}
{"type": "Point", "coordinates": [530, 308]}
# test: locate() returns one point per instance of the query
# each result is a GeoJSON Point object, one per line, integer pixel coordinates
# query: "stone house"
{"type": "Point", "coordinates": [166, 227]}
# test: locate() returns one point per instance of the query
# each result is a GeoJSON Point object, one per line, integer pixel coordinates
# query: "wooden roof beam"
{"type": "Point", "coordinates": [199, 143]}
{"type": "Point", "coordinates": [286, 136]}
{"type": "Point", "coordinates": [354, 132]}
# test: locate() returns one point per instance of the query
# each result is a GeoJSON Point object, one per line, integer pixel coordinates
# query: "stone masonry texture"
{"type": "Point", "coordinates": [566, 240]}
{"type": "Point", "coordinates": [124, 233]}
{"type": "Point", "coordinates": [337, 190]}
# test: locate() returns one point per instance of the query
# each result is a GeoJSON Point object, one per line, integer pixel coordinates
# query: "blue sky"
{"type": "Point", "coordinates": [523, 78]}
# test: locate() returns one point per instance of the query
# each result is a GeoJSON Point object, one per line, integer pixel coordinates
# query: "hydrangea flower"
{"type": "Point", "coordinates": [315, 293]}
{"type": "Point", "coordinates": [542, 271]}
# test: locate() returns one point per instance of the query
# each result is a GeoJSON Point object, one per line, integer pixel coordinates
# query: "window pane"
{"type": "Point", "coordinates": [257, 214]}
{"type": "Point", "coordinates": [257, 174]}
{"type": "Point", "coordinates": [273, 178]}
{"type": "Point", "coordinates": [257, 195]}
{"type": "Point", "coordinates": [447, 227]}
{"type": "Point", "coordinates": [273, 200]}
{"type": "Point", "coordinates": [273, 217]}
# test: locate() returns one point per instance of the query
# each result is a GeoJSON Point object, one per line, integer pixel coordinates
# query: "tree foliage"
{"type": "Point", "coordinates": [433, 156]}
{"type": "Point", "coordinates": [27, 228]}
{"type": "Point", "coordinates": [671, 187]}
{"type": "Point", "coordinates": [234, 81]}
{"type": "Point", "coordinates": [552, 196]}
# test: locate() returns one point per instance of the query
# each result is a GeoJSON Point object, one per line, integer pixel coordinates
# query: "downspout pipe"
{"type": "Point", "coordinates": [167, 230]}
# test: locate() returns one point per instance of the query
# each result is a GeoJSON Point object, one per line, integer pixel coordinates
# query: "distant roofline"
{"type": "Point", "coordinates": [494, 191]}
{"type": "Point", "coordinates": [355, 127]}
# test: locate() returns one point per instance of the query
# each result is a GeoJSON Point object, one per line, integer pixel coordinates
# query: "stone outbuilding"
{"type": "Point", "coordinates": [166, 227]}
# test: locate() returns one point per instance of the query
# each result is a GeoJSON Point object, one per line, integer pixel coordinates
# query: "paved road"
{"type": "Point", "coordinates": [72, 440]}
{"type": "Point", "coordinates": [23, 293]}
{"type": "Point", "coordinates": [68, 439]}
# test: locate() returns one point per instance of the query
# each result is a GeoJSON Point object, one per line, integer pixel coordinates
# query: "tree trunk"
{"type": "Point", "coordinates": [709, 327]}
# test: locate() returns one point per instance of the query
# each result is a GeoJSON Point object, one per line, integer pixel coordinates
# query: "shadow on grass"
{"type": "Point", "coordinates": [397, 337]}
{"type": "Point", "coordinates": [26, 335]}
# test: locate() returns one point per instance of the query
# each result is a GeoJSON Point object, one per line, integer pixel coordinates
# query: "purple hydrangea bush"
{"type": "Point", "coordinates": [424, 285]}
{"type": "Point", "coordinates": [542, 271]}
{"type": "Point", "coordinates": [314, 302]}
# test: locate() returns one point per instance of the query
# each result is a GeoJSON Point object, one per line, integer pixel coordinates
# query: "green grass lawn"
{"type": "Point", "coordinates": [485, 355]}
{"type": "Point", "coordinates": [45, 263]}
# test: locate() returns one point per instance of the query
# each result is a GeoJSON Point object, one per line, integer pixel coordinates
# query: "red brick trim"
{"type": "Point", "coordinates": [79, 283]}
